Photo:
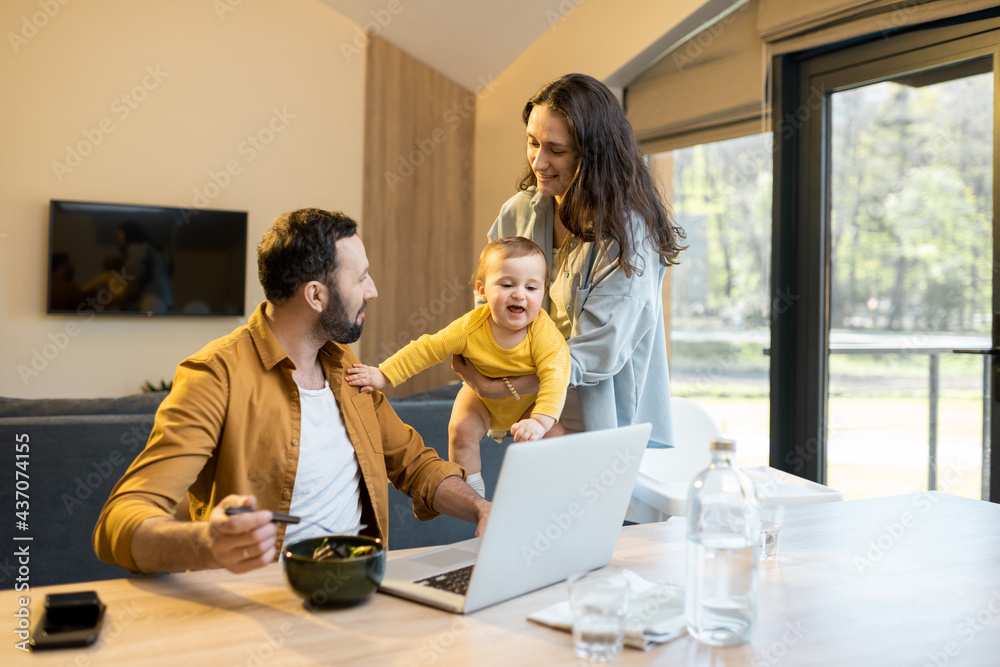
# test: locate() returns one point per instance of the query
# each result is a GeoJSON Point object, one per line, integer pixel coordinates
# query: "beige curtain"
{"type": "Point", "coordinates": [713, 86]}
{"type": "Point", "coordinates": [708, 88]}
{"type": "Point", "coordinates": [795, 25]}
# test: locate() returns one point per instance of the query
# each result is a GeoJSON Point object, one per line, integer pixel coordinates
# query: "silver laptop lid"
{"type": "Point", "coordinates": [557, 509]}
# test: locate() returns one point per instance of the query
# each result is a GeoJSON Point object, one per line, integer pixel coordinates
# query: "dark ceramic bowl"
{"type": "Point", "coordinates": [334, 581]}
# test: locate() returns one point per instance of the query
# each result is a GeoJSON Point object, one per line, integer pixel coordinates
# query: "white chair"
{"type": "Point", "coordinates": [665, 474]}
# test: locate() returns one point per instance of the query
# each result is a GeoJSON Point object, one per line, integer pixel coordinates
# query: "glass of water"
{"type": "Point", "coordinates": [599, 601]}
{"type": "Point", "coordinates": [772, 517]}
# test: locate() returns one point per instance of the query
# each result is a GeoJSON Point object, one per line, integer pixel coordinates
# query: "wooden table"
{"type": "Point", "coordinates": [904, 580]}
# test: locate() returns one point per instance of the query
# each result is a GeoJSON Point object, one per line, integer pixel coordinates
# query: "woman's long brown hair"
{"type": "Point", "coordinates": [613, 181]}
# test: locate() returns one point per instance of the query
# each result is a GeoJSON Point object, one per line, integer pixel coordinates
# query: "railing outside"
{"type": "Point", "coordinates": [934, 390]}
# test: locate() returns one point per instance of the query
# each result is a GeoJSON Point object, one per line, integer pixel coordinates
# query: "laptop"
{"type": "Point", "coordinates": [557, 509]}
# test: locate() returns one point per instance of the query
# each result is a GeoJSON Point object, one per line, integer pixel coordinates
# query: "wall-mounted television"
{"type": "Point", "coordinates": [125, 259]}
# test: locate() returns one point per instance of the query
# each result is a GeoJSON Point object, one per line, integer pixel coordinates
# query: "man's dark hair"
{"type": "Point", "coordinates": [300, 246]}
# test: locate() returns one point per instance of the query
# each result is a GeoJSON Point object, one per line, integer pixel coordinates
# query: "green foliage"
{"type": "Point", "coordinates": [722, 198]}
{"type": "Point", "coordinates": [910, 215]}
{"type": "Point", "coordinates": [148, 387]}
{"type": "Point", "coordinates": [911, 206]}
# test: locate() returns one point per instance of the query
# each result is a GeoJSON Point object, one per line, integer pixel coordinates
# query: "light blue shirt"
{"type": "Point", "coordinates": [618, 347]}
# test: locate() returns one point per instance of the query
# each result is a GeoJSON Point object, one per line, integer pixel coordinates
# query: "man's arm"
{"type": "Point", "coordinates": [456, 498]}
{"type": "Point", "coordinates": [239, 543]}
{"type": "Point", "coordinates": [144, 500]}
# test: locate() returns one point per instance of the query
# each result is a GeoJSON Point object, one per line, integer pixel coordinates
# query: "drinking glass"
{"type": "Point", "coordinates": [599, 601]}
{"type": "Point", "coordinates": [772, 517]}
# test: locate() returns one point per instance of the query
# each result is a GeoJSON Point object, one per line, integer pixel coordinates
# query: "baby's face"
{"type": "Point", "coordinates": [514, 288]}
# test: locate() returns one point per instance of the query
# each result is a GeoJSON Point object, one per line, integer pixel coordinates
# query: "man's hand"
{"type": "Point", "coordinates": [241, 542]}
{"type": "Point", "coordinates": [456, 498]}
{"type": "Point", "coordinates": [483, 507]}
{"type": "Point", "coordinates": [369, 378]}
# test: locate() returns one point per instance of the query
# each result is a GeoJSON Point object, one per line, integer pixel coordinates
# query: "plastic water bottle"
{"type": "Point", "coordinates": [720, 602]}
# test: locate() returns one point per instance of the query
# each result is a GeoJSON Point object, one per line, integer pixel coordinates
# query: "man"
{"type": "Point", "coordinates": [264, 417]}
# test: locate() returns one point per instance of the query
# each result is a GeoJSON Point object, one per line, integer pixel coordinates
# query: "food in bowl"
{"type": "Point", "coordinates": [335, 570]}
{"type": "Point", "coordinates": [328, 550]}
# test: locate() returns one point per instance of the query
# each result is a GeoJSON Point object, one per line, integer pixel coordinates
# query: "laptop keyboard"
{"type": "Point", "coordinates": [453, 581]}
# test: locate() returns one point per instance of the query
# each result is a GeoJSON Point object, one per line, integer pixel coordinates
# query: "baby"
{"type": "Point", "coordinates": [509, 335]}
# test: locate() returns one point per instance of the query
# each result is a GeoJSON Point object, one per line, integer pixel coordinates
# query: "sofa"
{"type": "Point", "coordinates": [61, 458]}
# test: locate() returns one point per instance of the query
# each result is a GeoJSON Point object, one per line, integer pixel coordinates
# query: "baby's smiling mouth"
{"type": "Point", "coordinates": [516, 309]}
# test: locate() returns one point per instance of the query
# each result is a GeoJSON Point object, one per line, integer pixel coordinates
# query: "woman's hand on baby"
{"type": "Point", "coordinates": [369, 378]}
{"type": "Point", "coordinates": [484, 387]}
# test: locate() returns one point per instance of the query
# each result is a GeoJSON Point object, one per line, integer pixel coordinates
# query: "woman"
{"type": "Point", "coordinates": [588, 198]}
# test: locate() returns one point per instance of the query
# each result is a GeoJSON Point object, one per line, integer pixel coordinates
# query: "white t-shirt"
{"type": "Point", "coordinates": [328, 483]}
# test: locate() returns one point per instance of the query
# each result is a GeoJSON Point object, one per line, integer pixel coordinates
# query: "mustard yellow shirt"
{"type": "Point", "coordinates": [543, 352]}
{"type": "Point", "coordinates": [231, 424]}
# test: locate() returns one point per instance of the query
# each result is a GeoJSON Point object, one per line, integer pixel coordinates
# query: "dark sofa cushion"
{"type": "Point", "coordinates": [447, 392]}
{"type": "Point", "coordinates": [135, 404]}
{"type": "Point", "coordinates": [73, 463]}
{"type": "Point", "coordinates": [428, 413]}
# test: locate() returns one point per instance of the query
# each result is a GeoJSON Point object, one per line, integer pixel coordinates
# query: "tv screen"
{"type": "Point", "coordinates": [145, 260]}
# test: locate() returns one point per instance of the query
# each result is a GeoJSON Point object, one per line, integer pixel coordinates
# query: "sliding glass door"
{"type": "Point", "coordinates": [885, 227]}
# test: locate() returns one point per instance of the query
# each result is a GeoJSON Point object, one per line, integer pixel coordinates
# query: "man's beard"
{"type": "Point", "coordinates": [336, 324]}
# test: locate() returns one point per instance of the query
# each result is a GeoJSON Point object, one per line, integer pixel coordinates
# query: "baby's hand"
{"type": "Point", "coordinates": [527, 429]}
{"type": "Point", "coordinates": [369, 378]}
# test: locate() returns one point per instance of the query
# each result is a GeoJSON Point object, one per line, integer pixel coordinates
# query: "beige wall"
{"type": "Point", "coordinates": [595, 37]}
{"type": "Point", "coordinates": [210, 79]}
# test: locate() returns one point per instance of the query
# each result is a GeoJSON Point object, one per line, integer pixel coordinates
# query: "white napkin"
{"type": "Point", "coordinates": [655, 613]}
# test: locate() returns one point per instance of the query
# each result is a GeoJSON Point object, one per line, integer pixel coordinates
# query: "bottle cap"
{"type": "Point", "coordinates": [723, 445]}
